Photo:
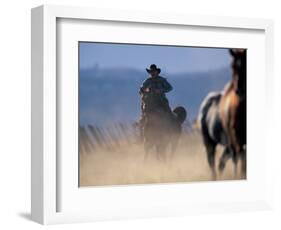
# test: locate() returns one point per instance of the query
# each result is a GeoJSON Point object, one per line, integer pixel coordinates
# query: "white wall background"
{"type": "Point", "coordinates": [15, 113]}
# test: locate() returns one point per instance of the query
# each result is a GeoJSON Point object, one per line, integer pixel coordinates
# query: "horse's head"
{"type": "Point", "coordinates": [239, 68]}
{"type": "Point", "coordinates": [152, 101]}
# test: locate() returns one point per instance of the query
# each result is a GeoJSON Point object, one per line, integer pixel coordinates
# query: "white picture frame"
{"type": "Point", "coordinates": [47, 182]}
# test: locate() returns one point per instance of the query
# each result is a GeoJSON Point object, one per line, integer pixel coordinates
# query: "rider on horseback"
{"type": "Point", "coordinates": [156, 86]}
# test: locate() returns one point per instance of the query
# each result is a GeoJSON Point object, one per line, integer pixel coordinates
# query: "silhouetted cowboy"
{"type": "Point", "coordinates": [154, 86]}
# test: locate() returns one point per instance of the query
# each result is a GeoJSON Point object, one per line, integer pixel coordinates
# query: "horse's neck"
{"type": "Point", "coordinates": [152, 101]}
{"type": "Point", "coordinates": [232, 85]}
{"type": "Point", "coordinates": [238, 87]}
{"type": "Point", "coordinates": [228, 87]}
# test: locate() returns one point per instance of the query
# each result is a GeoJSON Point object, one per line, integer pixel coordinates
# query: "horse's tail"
{"type": "Point", "coordinates": [180, 113]}
{"type": "Point", "coordinates": [204, 108]}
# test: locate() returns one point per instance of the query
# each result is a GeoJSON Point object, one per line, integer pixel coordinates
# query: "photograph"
{"type": "Point", "coordinates": [153, 113]}
{"type": "Point", "coordinates": [148, 114]}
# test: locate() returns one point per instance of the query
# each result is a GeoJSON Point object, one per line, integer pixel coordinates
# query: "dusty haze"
{"type": "Point", "coordinates": [126, 165]}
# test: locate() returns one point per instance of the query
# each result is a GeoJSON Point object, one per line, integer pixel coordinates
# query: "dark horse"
{"type": "Point", "coordinates": [222, 118]}
{"type": "Point", "coordinates": [161, 127]}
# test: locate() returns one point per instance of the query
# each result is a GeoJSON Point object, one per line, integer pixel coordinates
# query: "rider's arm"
{"type": "Point", "coordinates": [144, 85]}
{"type": "Point", "coordinates": [166, 86]}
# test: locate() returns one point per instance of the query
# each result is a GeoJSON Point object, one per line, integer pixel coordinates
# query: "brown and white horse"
{"type": "Point", "coordinates": [222, 117]}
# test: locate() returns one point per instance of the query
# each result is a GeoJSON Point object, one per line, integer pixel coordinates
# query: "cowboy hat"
{"type": "Point", "coordinates": [153, 67]}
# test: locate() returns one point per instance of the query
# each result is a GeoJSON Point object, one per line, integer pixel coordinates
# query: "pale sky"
{"type": "Point", "coordinates": [168, 58]}
{"type": "Point", "coordinates": [122, 99]}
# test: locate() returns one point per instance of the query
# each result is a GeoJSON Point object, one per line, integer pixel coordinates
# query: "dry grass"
{"type": "Point", "coordinates": [126, 165]}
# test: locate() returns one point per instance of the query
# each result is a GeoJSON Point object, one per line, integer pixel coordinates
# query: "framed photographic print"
{"type": "Point", "coordinates": [137, 114]}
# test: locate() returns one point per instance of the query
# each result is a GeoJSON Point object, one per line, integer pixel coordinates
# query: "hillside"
{"type": "Point", "coordinates": [111, 95]}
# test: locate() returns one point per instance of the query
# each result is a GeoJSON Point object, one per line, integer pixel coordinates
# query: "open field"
{"type": "Point", "coordinates": [125, 164]}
